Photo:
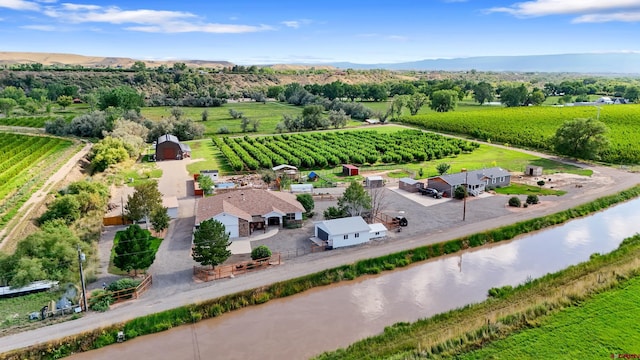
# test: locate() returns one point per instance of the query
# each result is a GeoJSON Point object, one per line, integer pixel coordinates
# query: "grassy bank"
{"type": "Point", "coordinates": [215, 307]}
{"type": "Point", "coordinates": [561, 301]}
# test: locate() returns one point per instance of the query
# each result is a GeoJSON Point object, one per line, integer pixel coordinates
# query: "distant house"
{"type": "Point", "coordinates": [350, 170]}
{"type": "Point", "coordinates": [246, 210]}
{"type": "Point", "coordinates": [374, 181]}
{"type": "Point", "coordinates": [348, 231]}
{"type": "Point", "coordinates": [619, 101]}
{"type": "Point", "coordinates": [168, 147]}
{"type": "Point", "coordinates": [477, 181]}
{"type": "Point", "coordinates": [286, 171]}
{"type": "Point", "coordinates": [604, 100]}
{"type": "Point", "coordinates": [372, 121]}
{"type": "Point", "coordinates": [410, 185]}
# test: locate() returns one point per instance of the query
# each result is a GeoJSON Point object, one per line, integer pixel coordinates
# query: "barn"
{"type": "Point", "coordinates": [168, 147]}
{"type": "Point", "coordinates": [350, 170]}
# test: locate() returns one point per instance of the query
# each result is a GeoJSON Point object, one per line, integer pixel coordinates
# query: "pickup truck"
{"type": "Point", "coordinates": [431, 192]}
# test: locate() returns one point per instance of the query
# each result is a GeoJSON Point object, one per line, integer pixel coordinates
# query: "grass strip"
{"type": "Point", "coordinates": [215, 307]}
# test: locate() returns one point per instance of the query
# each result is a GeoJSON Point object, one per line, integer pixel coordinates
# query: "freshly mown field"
{"type": "Point", "coordinates": [534, 126]}
{"type": "Point", "coordinates": [329, 149]}
{"type": "Point", "coordinates": [596, 329]}
{"type": "Point", "coordinates": [26, 162]}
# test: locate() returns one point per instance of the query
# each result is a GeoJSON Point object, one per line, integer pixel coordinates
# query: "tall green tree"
{"type": "Point", "coordinates": [338, 119]}
{"type": "Point", "coordinates": [121, 97]}
{"type": "Point", "coordinates": [210, 243]}
{"type": "Point", "coordinates": [632, 93]}
{"type": "Point", "coordinates": [483, 92]}
{"type": "Point", "coordinates": [444, 100]}
{"type": "Point", "coordinates": [312, 117]}
{"type": "Point", "coordinates": [442, 168]}
{"type": "Point", "coordinates": [133, 250]}
{"type": "Point", "coordinates": [355, 200]}
{"type": "Point", "coordinates": [145, 199]}
{"type": "Point", "coordinates": [536, 97]}
{"type": "Point", "coordinates": [65, 207]}
{"type": "Point", "coordinates": [415, 102]}
{"type": "Point", "coordinates": [582, 138]}
{"type": "Point", "coordinates": [206, 184]}
{"type": "Point", "coordinates": [512, 96]}
{"type": "Point", "coordinates": [7, 105]}
{"type": "Point", "coordinates": [64, 101]}
{"type": "Point", "coordinates": [307, 202]}
{"type": "Point", "coordinates": [397, 104]}
{"type": "Point", "coordinates": [160, 219]}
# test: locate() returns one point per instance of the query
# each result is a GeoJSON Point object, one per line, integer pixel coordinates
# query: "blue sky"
{"type": "Point", "coordinates": [261, 32]}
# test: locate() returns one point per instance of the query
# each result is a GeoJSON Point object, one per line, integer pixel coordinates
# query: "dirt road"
{"type": "Point", "coordinates": [169, 293]}
{"type": "Point", "coordinates": [26, 208]}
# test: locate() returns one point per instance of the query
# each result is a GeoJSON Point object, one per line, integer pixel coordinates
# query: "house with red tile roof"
{"type": "Point", "coordinates": [244, 211]}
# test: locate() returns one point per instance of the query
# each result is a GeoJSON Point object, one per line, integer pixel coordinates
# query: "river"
{"type": "Point", "coordinates": [335, 316]}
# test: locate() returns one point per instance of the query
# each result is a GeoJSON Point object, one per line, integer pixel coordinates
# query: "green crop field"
{"type": "Point", "coordinates": [597, 329]}
{"type": "Point", "coordinates": [534, 126]}
{"type": "Point", "coordinates": [269, 115]}
{"type": "Point", "coordinates": [329, 149]}
{"type": "Point", "coordinates": [32, 121]}
{"type": "Point", "coordinates": [26, 162]}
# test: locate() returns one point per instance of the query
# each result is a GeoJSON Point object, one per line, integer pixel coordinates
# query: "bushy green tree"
{"type": "Point", "coordinates": [338, 118]}
{"type": "Point", "coordinates": [442, 168]}
{"type": "Point", "coordinates": [307, 202]}
{"type": "Point", "coordinates": [7, 105]}
{"type": "Point", "coordinates": [133, 250]}
{"type": "Point", "coordinates": [355, 200]}
{"type": "Point", "coordinates": [145, 199]}
{"type": "Point", "coordinates": [444, 100]}
{"type": "Point", "coordinates": [514, 201]}
{"type": "Point", "coordinates": [459, 192]}
{"type": "Point", "coordinates": [206, 184]}
{"type": "Point", "coordinates": [483, 92]}
{"type": "Point", "coordinates": [415, 102]}
{"type": "Point", "coordinates": [582, 138]}
{"type": "Point", "coordinates": [261, 252]}
{"type": "Point", "coordinates": [532, 199]}
{"type": "Point", "coordinates": [210, 243]}
{"type": "Point", "coordinates": [333, 212]}
{"type": "Point", "coordinates": [160, 218]}
{"type": "Point", "coordinates": [64, 101]}
{"type": "Point", "coordinates": [121, 97]}
{"type": "Point", "coordinates": [65, 207]}
{"type": "Point", "coordinates": [512, 96]}
{"type": "Point", "coordinates": [107, 151]}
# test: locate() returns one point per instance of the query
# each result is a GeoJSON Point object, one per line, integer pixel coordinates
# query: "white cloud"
{"type": "Point", "coordinates": [591, 8]}
{"type": "Point", "coordinates": [292, 24]}
{"type": "Point", "coordinates": [183, 27]}
{"type": "Point", "coordinates": [601, 18]}
{"type": "Point", "coordinates": [39, 27]}
{"type": "Point", "coordinates": [397, 38]}
{"type": "Point", "coordinates": [19, 5]}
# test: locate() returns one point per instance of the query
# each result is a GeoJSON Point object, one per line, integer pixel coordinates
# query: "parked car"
{"type": "Point", "coordinates": [431, 192]}
{"type": "Point", "coordinates": [400, 220]}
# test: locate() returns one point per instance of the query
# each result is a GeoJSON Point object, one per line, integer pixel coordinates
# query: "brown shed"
{"type": "Point", "coordinates": [168, 147]}
{"type": "Point", "coordinates": [410, 185]}
{"type": "Point", "coordinates": [350, 170]}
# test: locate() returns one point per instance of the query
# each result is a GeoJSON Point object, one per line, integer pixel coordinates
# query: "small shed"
{"type": "Point", "coordinates": [313, 176]}
{"type": "Point", "coordinates": [533, 170]}
{"type": "Point", "coordinates": [168, 147]}
{"type": "Point", "coordinates": [171, 203]}
{"type": "Point", "coordinates": [213, 174]}
{"type": "Point", "coordinates": [288, 171]}
{"type": "Point", "coordinates": [302, 188]}
{"type": "Point", "coordinates": [350, 170]}
{"type": "Point", "coordinates": [374, 181]}
{"type": "Point", "coordinates": [410, 185]}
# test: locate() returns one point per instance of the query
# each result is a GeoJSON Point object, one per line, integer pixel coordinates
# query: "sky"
{"type": "Point", "coordinates": [368, 32]}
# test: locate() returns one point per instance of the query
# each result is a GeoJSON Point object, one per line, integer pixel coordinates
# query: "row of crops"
{"type": "Point", "coordinates": [534, 127]}
{"type": "Point", "coordinates": [21, 170]}
{"type": "Point", "coordinates": [31, 121]}
{"type": "Point", "coordinates": [329, 149]}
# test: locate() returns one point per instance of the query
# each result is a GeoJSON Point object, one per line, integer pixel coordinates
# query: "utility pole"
{"type": "Point", "coordinates": [464, 201]}
{"type": "Point", "coordinates": [81, 258]}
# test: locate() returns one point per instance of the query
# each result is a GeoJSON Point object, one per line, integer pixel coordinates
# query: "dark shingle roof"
{"type": "Point", "coordinates": [475, 177]}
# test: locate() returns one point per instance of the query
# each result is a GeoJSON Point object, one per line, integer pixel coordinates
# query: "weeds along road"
{"type": "Point", "coordinates": [175, 286]}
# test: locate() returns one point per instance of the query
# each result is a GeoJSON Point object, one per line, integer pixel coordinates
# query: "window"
{"type": "Point", "coordinates": [502, 179]}
{"type": "Point", "coordinates": [357, 235]}
{"type": "Point", "coordinates": [291, 216]}
{"type": "Point", "coordinates": [377, 232]}
{"type": "Point", "coordinates": [494, 180]}
{"type": "Point", "coordinates": [346, 237]}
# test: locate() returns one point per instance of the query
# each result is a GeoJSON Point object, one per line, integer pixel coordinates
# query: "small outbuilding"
{"type": "Point", "coordinates": [213, 174]}
{"type": "Point", "coordinates": [377, 231]}
{"type": "Point", "coordinates": [168, 147]}
{"type": "Point", "coordinates": [286, 171]}
{"type": "Point", "coordinates": [342, 232]}
{"type": "Point", "coordinates": [374, 181]}
{"type": "Point", "coordinates": [410, 185]}
{"type": "Point", "coordinates": [533, 170]}
{"type": "Point", "coordinates": [350, 170]}
{"type": "Point", "coordinates": [302, 188]}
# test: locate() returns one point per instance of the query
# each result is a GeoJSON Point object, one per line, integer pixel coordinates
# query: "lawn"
{"type": "Point", "coordinates": [596, 329]}
{"type": "Point", "coordinates": [522, 189]}
{"type": "Point", "coordinates": [208, 156]}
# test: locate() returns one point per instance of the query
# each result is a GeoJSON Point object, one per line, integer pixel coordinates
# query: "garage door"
{"type": "Point", "coordinates": [168, 154]}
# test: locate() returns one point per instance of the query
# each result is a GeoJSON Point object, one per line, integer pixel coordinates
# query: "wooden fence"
{"type": "Point", "coordinates": [127, 294]}
{"type": "Point", "coordinates": [206, 273]}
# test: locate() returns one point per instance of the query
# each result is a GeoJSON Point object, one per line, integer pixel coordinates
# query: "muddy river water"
{"type": "Point", "coordinates": [335, 316]}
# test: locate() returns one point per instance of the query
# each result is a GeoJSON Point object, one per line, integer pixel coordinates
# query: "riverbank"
{"type": "Point", "coordinates": [211, 308]}
{"type": "Point", "coordinates": [525, 307]}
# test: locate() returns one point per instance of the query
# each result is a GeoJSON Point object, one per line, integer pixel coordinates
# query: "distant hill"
{"type": "Point", "coordinates": [605, 63]}
{"type": "Point", "coordinates": [10, 58]}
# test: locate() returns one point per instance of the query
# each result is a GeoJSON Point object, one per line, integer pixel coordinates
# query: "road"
{"type": "Point", "coordinates": [37, 197]}
{"type": "Point", "coordinates": [174, 286]}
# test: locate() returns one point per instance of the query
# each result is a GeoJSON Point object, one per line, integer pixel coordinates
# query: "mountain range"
{"type": "Point", "coordinates": [588, 63]}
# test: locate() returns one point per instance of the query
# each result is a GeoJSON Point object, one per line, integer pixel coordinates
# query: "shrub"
{"type": "Point", "coordinates": [514, 201]}
{"type": "Point", "coordinates": [459, 192]}
{"type": "Point", "coordinates": [100, 300]}
{"type": "Point", "coordinates": [532, 199]}
{"type": "Point", "coordinates": [223, 130]}
{"type": "Point", "coordinates": [540, 183]}
{"type": "Point", "coordinates": [260, 252]}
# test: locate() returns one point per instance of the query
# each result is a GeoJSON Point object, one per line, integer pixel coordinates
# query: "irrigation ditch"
{"type": "Point", "coordinates": [484, 326]}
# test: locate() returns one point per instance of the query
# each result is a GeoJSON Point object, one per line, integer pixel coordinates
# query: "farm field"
{"type": "Point", "coordinates": [269, 115]}
{"type": "Point", "coordinates": [36, 121]}
{"type": "Point", "coordinates": [329, 149]}
{"type": "Point", "coordinates": [596, 329]}
{"type": "Point", "coordinates": [27, 162]}
{"type": "Point", "coordinates": [533, 127]}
